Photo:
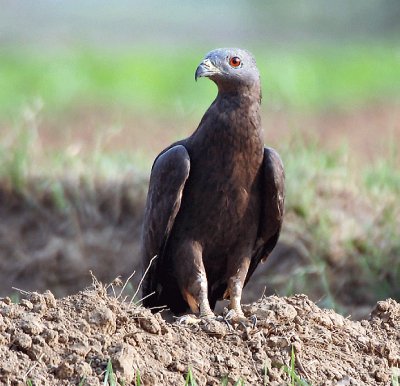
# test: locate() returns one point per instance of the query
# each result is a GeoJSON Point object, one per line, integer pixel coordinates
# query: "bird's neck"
{"type": "Point", "coordinates": [246, 98]}
{"type": "Point", "coordinates": [246, 93]}
{"type": "Point", "coordinates": [241, 107]}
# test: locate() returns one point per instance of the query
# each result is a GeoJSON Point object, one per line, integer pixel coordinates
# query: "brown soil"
{"type": "Point", "coordinates": [66, 341]}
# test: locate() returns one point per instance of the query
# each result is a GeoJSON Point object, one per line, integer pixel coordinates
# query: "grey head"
{"type": "Point", "coordinates": [229, 68]}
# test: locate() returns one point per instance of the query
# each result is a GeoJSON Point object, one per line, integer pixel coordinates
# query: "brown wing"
{"type": "Point", "coordinates": [272, 205]}
{"type": "Point", "coordinates": [168, 177]}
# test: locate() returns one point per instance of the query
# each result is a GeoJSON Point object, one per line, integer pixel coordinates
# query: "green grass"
{"type": "Point", "coordinates": [395, 377]}
{"type": "Point", "coordinates": [23, 157]}
{"type": "Point", "coordinates": [143, 78]}
{"type": "Point", "coordinates": [344, 216]}
{"type": "Point", "coordinates": [333, 77]}
{"type": "Point", "coordinates": [138, 379]}
{"type": "Point", "coordinates": [294, 378]}
{"type": "Point", "coordinates": [110, 378]}
{"type": "Point", "coordinates": [190, 381]}
{"type": "Point", "coordinates": [82, 381]}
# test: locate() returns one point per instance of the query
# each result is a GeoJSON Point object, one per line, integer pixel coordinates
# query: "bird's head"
{"type": "Point", "coordinates": [229, 68]}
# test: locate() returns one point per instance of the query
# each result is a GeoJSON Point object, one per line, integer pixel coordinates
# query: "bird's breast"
{"type": "Point", "coordinates": [221, 199]}
{"type": "Point", "coordinates": [222, 193]}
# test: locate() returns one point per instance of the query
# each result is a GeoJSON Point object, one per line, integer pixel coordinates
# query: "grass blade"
{"type": "Point", "coordinates": [224, 381]}
{"type": "Point", "coordinates": [190, 381]}
{"type": "Point", "coordinates": [138, 379]}
{"type": "Point", "coordinates": [109, 376]}
{"type": "Point", "coordinates": [82, 382]}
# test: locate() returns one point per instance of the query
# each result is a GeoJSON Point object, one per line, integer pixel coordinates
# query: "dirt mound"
{"type": "Point", "coordinates": [72, 340]}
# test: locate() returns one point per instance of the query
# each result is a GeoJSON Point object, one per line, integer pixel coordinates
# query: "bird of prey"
{"type": "Point", "coordinates": [215, 201]}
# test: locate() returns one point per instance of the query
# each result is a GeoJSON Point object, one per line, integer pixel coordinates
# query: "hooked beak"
{"type": "Point", "coordinates": [206, 69]}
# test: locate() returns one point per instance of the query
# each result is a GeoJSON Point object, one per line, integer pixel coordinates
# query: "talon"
{"type": "Point", "coordinates": [230, 314]}
{"type": "Point", "coordinates": [253, 320]}
{"type": "Point", "coordinates": [230, 327]}
{"type": "Point", "coordinates": [188, 320]}
{"type": "Point", "coordinates": [237, 317]}
{"type": "Point", "coordinates": [228, 323]}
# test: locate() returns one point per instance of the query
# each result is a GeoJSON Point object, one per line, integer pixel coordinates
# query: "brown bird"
{"type": "Point", "coordinates": [215, 201]}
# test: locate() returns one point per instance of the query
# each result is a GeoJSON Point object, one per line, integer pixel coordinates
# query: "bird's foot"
{"type": "Point", "coordinates": [207, 315]}
{"type": "Point", "coordinates": [191, 319]}
{"type": "Point", "coordinates": [188, 320]}
{"type": "Point", "coordinates": [236, 317]}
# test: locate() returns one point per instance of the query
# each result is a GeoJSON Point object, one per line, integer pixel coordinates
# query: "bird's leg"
{"type": "Point", "coordinates": [234, 291]}
{"type": "Point", "coordinates": [200, 286]}
{"type": "Point", "coordinates": [193, 280]}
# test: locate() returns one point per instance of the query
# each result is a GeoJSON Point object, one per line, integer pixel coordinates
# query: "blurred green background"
{"type": "Point", "coordinates": [98, 88]}
{"type": "Point", "coordinates": [130, 65]}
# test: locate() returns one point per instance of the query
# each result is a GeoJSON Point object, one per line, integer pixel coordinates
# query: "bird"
{"type": "Point", "coordinates": [215, 200]}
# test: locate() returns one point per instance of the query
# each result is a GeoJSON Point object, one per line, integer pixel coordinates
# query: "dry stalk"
{"type": "Point", "coordinates": [34, 365]}
{"type": "Point", "coordinates": [145, 297]}
{"type": "Point", "coordinates": [125, 284]}
{"type": "Point", "coordinates": [141, 280]}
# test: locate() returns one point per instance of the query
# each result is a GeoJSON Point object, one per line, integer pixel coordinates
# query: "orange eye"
{"type": "Point", "coordinates": [234, 61]}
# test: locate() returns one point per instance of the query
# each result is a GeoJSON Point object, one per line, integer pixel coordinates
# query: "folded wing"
{"type": "Point", "coordinates": [272, 204]}
{"type": "Point", "coordinates": [167, 181]}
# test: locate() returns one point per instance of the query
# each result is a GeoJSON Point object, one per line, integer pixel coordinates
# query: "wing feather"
{"type": "Point", "coordinates": [272, 207]}
{"type": "Point", "coordinates": [167, 181]}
